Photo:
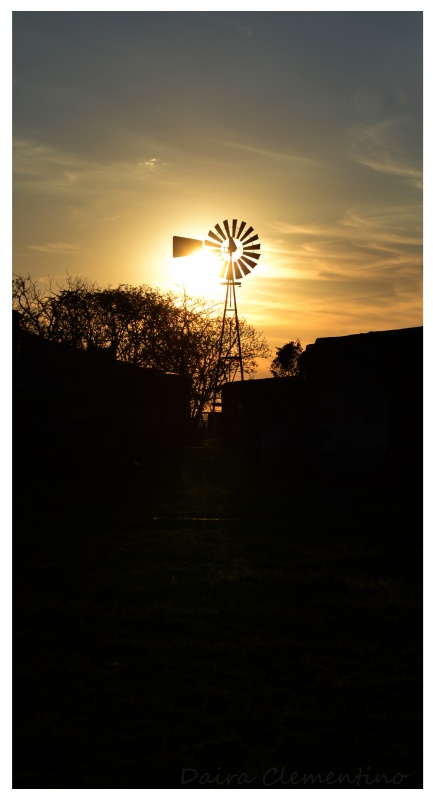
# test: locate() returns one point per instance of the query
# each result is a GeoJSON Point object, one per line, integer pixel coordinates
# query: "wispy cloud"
{"type": "Point", "coordinates": [86, 193]}
{"type": "Point", "coordinates": [363, 240]}
{"type": "Point", "coordinates": [263, 152]}
{"type": "Point", "coordinates": [385, 147]}
{"type": "Point", "coordinates": [54, 247]}
{"type": "Point", "coordinates": [70, 177]}
{"type": "Point", "coordinates": [54, 169]}
{"type": "Point", "coordinates": [288, 307]}
{"type": "Point", "coordinates": [361, 272]}
{"type": "Point", "coordinates": [152, 163]}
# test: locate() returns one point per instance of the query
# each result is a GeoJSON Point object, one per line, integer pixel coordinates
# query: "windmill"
{"type": "Point", "coordinates": [238, 248]}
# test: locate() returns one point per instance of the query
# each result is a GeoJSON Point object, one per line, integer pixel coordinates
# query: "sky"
{"type": "Point", "coordinates": [131, 127]}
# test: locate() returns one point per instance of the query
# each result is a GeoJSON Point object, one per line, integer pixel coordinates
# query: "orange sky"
{"type": "Point", "coordinates": [132, 127]}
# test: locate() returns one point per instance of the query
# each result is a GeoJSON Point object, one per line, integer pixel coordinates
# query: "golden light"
{"type": "Point", "coordinates": [198, 274]}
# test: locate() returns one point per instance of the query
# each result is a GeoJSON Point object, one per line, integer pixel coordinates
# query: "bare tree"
{"type": "Point", "coordinates": [143, 326]}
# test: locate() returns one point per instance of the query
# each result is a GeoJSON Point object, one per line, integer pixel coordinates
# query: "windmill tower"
{"type": "Point", "coordinates": [238, 248]}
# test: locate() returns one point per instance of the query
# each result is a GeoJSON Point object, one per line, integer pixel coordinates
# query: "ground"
{"type": "Point", "coordinates": [197, 624]}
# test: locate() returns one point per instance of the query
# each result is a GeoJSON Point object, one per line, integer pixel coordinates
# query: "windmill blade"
{"type": "Point", "coordinates": [248, 261]}
{"type": "Point", "coordinates": [241, 227]}
{"type": "Point", "coordinates": [182, 246]}
{"type": "Point", "coordinates": [217, 238]}
{"type": "Point", "coordinates": [238, 273]}
{"type": "Point", "coordinates": [220, 231]}
{"type": "Point", "coordinates": [216, 245]}
{"type": "Point", "coordinates": [250, 230]}
{"type": "Point", "coordinates": [226, 225]}
{"type": "Point", "coordinates": [254, 256]}
{"type": "Point", "coordinates": [251, 248]}
{"type": "Point", "coordinates": [234, 223]}
{"type": "Point", "coordinates": [251, 239]}
{"type": "Point", "coordinates": [241, 262]}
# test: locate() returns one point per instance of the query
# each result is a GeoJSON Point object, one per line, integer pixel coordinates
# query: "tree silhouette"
{"type": "Point", "coordinates": [143, 326]}
{"type": "Point", "coordinates": [285, 363]}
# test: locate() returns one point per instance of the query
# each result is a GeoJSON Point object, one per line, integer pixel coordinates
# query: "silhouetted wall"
{"type": "Point", "coordinates": [84, 410]}
{"type": "Point", "coordinates": [269, 416]}
{"type": "Point", "coordinates": [365, 395]}
{"type": "Point", "coordinates": [357, 404]}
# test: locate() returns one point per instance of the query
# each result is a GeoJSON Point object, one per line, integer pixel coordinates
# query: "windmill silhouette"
{"type": "Point", "coordinates": [238, 248]}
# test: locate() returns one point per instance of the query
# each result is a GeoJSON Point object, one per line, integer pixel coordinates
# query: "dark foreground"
{"type": "Point", "coordinates": [278, 644]}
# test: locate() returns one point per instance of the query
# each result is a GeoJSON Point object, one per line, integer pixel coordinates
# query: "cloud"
{"type": "Point", "coordinates": [71, 177]}
{"type": "Point", "coordinates": [264, 153]}
{"type": "Point", "coordinates": [365, 238]}
{"type": "Point", "coordinates": [40, 165]}
{"type": "Point", "coordinates": [357, 273]}
{"type": "Point", "coordinates": [386, 147]}
{"type": "Point", "coordinates": [152, 163]}
{"type": "Point", "coordinates": [54, 247]}
{"type": "Point", "coordinates": [81, 192]}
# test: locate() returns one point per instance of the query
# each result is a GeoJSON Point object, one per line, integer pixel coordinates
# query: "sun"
{"type": "Point", "coordinates": [198, 274]}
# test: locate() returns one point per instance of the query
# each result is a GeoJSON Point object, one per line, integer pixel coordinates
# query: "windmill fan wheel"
{"type": "Point", "coordinates": [237, 246]}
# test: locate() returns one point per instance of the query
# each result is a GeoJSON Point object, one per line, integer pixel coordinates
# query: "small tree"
{"type": "Point", "coordinates": [285, 363]}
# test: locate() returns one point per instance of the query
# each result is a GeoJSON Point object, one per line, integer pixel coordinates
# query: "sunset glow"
{"type": "Point", "coordinates": [198, 274]}
{"type": "Point", "coordinates": [138, 130]}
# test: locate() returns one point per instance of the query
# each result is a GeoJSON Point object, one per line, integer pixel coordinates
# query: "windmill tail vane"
{"type": "Point", "coordinates": [183, 246]}
{"type": "Point", "coordinates": [238, 249]}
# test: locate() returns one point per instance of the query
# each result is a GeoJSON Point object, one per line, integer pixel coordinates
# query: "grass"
{"type": "Point", "coordinates": [149, 641]}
